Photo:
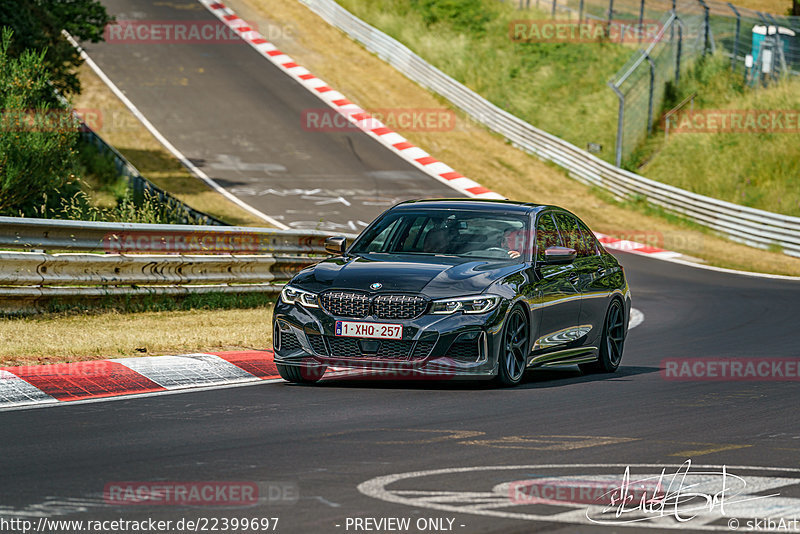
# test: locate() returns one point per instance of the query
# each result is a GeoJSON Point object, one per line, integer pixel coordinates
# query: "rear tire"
{"type": "Point", "coordinates": [513, 354]}
{"type": "Point", "coordinates": [300, 375]}
{"type": "Point", "coordinates": [611, 343]}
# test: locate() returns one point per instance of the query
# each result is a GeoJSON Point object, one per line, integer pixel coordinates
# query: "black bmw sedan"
{"type": "Point", "coordinates": [456, 288]}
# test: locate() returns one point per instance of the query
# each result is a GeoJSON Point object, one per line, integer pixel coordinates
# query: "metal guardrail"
{"type": "Point", "coordinates": [35, 269]}
{"type": "Point", "coordinates": [108, 260]}
{"type": "Point", "coordinates": [751, 226]}
{"type": "Point", "coordinates": [66, 235]}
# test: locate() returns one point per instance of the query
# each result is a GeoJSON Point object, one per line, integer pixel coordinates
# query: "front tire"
{"type": "Point", "coordinates": [611, 343]}
{"type": "Point", "coordinates": [513, 355]}
{"type": "Point", "coordinates": [300, 375]}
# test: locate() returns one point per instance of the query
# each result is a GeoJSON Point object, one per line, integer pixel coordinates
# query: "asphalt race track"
{"type": "Point", "coordinates": [239, 119]}
{"type": "Point", "coordinates": [320, 443]}
{"type": "Point", "coordinates": [328, 439]}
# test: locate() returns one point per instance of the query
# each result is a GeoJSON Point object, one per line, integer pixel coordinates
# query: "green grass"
{"type": "Point", "coordinates": [760, 170]}
{"type": "Point", "coordinates": [561, 88]}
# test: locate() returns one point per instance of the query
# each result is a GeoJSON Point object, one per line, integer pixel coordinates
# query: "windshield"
{"type": "Point", "coordinates": [472, 234]}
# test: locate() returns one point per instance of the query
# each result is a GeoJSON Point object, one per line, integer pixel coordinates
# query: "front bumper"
{"type": "Point", "coordinates": [435, 346]}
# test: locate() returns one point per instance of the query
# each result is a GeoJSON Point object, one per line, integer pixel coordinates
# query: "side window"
{"type": "Point", "coordinates": [570, 232]}
{"type": "Point", "coordinates": [380, 241]}
{"type": "Point", "coordinates": [409, 242]}
{"type": "Point", "coordinates": [546, 235]}
{"type": "Point", "coordinates": [589, 240]}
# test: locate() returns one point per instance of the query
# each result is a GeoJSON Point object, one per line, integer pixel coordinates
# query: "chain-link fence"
{"type": "Point", "coordinates": [761, 45]}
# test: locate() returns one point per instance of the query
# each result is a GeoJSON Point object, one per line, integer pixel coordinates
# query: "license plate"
{"type": "Point", "coordinates": [369, 330]}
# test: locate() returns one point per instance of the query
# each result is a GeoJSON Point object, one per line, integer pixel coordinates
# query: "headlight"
{"type": "Point", "coordinates": [292, 295]}
{"type": "Point", "coordinates": [476, 304]}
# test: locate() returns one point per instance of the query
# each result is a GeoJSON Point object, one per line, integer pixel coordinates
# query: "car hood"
{"type": "Point", "coordinates": [434, 276]}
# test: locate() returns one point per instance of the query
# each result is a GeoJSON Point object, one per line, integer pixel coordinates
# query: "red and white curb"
{"type": "Point", "coordinates": [63, 383]}
{"type": "Point", "coordinates": [624, 245]}
{"type": "Point", "coordinates": [58, 383]}
{"type": "Point", "coordinates": [353, 113]}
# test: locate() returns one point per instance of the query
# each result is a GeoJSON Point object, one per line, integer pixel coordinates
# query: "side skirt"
{"type": "Point", "coordinates": [565, 357]}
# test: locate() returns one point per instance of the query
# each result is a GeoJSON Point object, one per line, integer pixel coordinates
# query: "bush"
{"type": "Point", "coordinates": [37, 153]}
{"type": "Point", "coordinates": [38, 24]}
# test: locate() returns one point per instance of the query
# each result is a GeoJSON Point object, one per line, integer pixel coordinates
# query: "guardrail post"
{"type": "Point", "coordinates": [672, 26]}
{"type": "Point", "coordinates": [620, 124]}
{"type": "Point", "coordinates": [735, 35]}
{"type": "Point", "coordinates": [553, 10]}
{"type": "Point", "coordinates": [610, 15]}
{"type": "Point", "coordinates": [641, 20]}
{"type": "Point", "coordinates": [652, 90]}
{"type": "Point", "coordinates": [679, 51]}
{"type": "Point", "coordinates": [138, 190]}
{"type": "Point", "coordinates": [706, 27]}
{"type": "Point", "coordinates": [580, 12]}
{"type": "Point", "coordinates": [778, 45]}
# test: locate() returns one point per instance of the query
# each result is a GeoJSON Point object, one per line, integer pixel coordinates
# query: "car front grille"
{"type": "Point", "coordinates": [346, 303]}
{"type": "Point", "coordinates": [399, 306]}
{"type": "Point", "coordinates": [387, 349]}
{"type": "Point", "coordinates": [359, 305]}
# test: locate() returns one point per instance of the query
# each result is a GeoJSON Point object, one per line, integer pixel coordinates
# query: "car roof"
{"type": "Point", "coordinates": [470, 204]}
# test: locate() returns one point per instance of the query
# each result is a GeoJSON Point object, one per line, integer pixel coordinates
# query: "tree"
{"type": "Point", "coordinates": [37, 136]}
{"type": "Point", "coordinates": [37, 25]}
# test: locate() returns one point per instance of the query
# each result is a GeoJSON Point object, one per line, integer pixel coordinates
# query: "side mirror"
{"type": "Point", "coordinates": [335, 245]}
{"type": "Point", "coordinates": [559, 255]}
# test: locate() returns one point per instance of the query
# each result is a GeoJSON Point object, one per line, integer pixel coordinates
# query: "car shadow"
{"type": "Point", "coordinates": [536, 378]}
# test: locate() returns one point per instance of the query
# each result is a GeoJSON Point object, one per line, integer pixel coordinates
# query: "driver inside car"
{"type": "Point", "coordinates": [510, 241]}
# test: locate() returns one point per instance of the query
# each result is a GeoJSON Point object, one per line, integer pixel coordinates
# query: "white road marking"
{"type": "Point", "coordinates": [163, 140]}
{"type": "Point", "coordinates": [498, 503]}
{"type": "Point", "coordinates": [636, 318]}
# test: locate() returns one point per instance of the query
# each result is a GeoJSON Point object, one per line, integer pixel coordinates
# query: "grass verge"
{"type": "Point", "coordinates": [561, 88]}
{"type": "Point", "coordinates": [239, 322]}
